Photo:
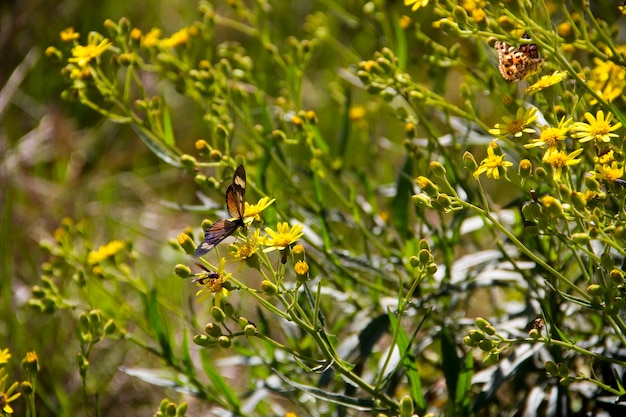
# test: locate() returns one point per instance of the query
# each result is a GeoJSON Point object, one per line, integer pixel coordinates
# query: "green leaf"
{"type": "Point", "coordinates": [157, 324]}
{"type": "Point", "coordinates": [338, 399]}
{"type": "Point", "coordinates": [219, 383]}
{"type": "Point", "coordinates": [168, 131]}
{"type": "Point", "coordinates": [450, 363]}
{"type": "Point", "coordinates": [409, 364]}
{"type": "Point", "coordinates": [401, 202]}
{"type": "Point", "coordinates": [157, 146]}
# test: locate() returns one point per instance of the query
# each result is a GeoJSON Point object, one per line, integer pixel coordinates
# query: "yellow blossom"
{"type": "Point", "coordinates": [68, 34]}
{"type": "Point", "coordinates": [179, 38]}
{"type": "Point", "coordinates": [609, 173]}
{"type": "Point", "coordinates": [404, 21]}
{"type": "Point", "coordinates": [560, 159]}
{"type": "Point", "coordinates": [106, 251]}
{"type": "Point", "coordinates": [247, 249]}
{"type": "Point", "coordinates": [597, 128]}
{"type": "Point", "coordinates": [301, 268]}
{"type": "Point", "coordinates": [7, 396]}
{"type": "Point", "coordinates": [546, 81]}
{"type": "Point", "coordinates": [607, 79]}
{"type": "Point", "coordinates": [253, 210]}
{"type": "Point", "coordinates": [416, 4]}
{"type": "Point", "coordinates": [606, 158]}
{"type": "Point", "coordinates": [212, 283]}
{"type": "Point", "coordinates": [81, 55]}
{"type": "Point", "coordinates": [551, 136]}
{"type": "Point", "coordinates": [151, 38]}
{"type": "Point", "coordinates": [492, 164]}
{"type": "Point", "coordinates": [4, 356]}
{"type": "Point", "coordinates": [516, 126]}
{"type": "Point", "coordinates": [283, 237]}
{"type": "Point", "coordinates": [472, 5]}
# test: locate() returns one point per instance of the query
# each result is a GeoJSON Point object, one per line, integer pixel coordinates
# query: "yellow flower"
{"type": "Point", "coordinates": [253, 210]}
{"type": "Point", "coordinates": [301, 268]}
{"type": "Point", "coordinates": [4, 356]}
{"type": "Point", "coordinates": [597, 128]}
{"type": "Point", "coordinates": [283, 237]}
{"type": "Point", "coordinates": [492, 163]}
{"type": "Point", "coordinates": [608, 172]}
{"type": "Point", "coordinates": [605, 159]}
{"type": "Point", "coordinates": [7, 396]}
{"type": "Point", "coordinates": [105, 252]}
{"type": "Point", "coordinates": [81, 55]}
{"type": "Point", "coordinates": [559, 160]}
{"type": "Point", "coordinates": [212, 283]}
{"type": "Point", "coordinates": [151, 38]}
{"type": "Point", "coordinates": [607, 79]}
{"type": "Point", "coordinates": [416, 4]}
{"type": "Point", "coordinates": [471, 5]}
{"type": "Point", "coordinates": [546, 81]}
{"type": "Point", "coordinates": [551, 136]}
{"type": "Point", "coordinates": [247, 249]}
{"type": "Point", "coordinates": [517, 126]}
{"type": "Point", "coordinates": [404, 21]}
{"type": "Point", "coordinates": [68, 34]}
{"type": "Point", "coordinates": [179, 38]}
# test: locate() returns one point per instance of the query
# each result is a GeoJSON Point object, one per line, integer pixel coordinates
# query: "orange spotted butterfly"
{"type": "Point", "coordinates": [236, 205]}
{"type": "Point", "coordinates": [518, 63]}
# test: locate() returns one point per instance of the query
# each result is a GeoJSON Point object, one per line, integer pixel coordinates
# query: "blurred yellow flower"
{"type": "Point", "coordinates": [546, 81]}
{"type": "Point", "coordinates": [4, 356]}
{"type": "Point", "coordinates": [610, 173]}
{"type": "Point", "coordinates": [7, 396]}
{"type": "Point", "coordinates": [106, 251]}
{"type": "Point", "coordinates": [179, 38]}
{"type": "Point", "coordinates": [151, 38]}
{"type": "Point", "coordinates": [68, 35]}
{"type": "Point", "coordinates": [416, 4]}
{"type": "Point", "coordinates": [81, 55]}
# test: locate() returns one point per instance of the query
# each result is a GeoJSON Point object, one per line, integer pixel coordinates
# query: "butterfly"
{"type": "Point", "coordinates": [236, 205]}
{"type": "Point", "coordinates": [516, 64]}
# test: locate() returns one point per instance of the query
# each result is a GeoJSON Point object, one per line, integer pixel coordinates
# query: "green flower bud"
{"type": "Point", "coordinates": [218, 314]}
{"type": "Point", "coordinates": [476, 335]}
{"type": "Point", "coordinates": [469, 342]}
{"type": "Point", "coordinates": [213, 330]}
{"type": "Point", "coordinates": [268, 287]}
{"type": "Point", "coordinates": [427, 186]}
{"type": "Point", "coordinates": [437, 169]}
{"type": "Point", "coordinates": [481, 323]}
{"type": "Point", "coordinates": [551, 368]}
{"type": "Point", "coordinates": [188, 161]}
{"type": "Point", "coordinates": [406, 406]}
{"type": "Point", "coordinates": [562, 369]}
{"type": "Point", "coordinates": [202, 340]}
{"type": "Point", "coordinates": [182, 271]}
{"type": "Point", "coordinates": [469, 162]}
{"type": "Point", "coordinates": [485, 345]}
{"type": "Point", "coordinates": [421, 201]}
{"type": "Point", "coordinates": [425, 257]}
{"type": "Point", "coordinates": [224, 342]}
{"type": "Point", "coordinates": [249, 330]}
{"type": "Point", "coordinates": [414, 261]}
{"type": "Point", "coordinates": [432, 268]}
{"type": "Point", "coordinates": [109, 327]}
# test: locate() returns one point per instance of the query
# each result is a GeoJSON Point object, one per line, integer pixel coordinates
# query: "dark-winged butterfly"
{"type": "Point", "coordinates": [236, 205]}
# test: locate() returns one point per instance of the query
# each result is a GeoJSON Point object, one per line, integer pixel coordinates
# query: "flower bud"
{"type": "Point", "coordinates": [268, 287]}
{"type": "Point", "coordinates": [182, 271]}
{"type": "Point", "coordinates": [218, 314]}
{"type": "Point", "coordinates": [224, 342]}
{"type": "Point", "coordinates": [213, 330]}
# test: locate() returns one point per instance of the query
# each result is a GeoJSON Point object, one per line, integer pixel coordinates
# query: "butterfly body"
{"type": "Point", "coordinates": [236, 205]}
{"type": "Point", "coordinates": [516, 64]}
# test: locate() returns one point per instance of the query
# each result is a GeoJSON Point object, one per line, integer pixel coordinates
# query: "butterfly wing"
{"type": "Point", "coordinates": [236, 194]}
{"type": "Point", "coordinates": [517, 63]}
{"type": "Point", "coordinates": [218, 231]}
{"type": "Point", "coordinates": [236, 205]}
